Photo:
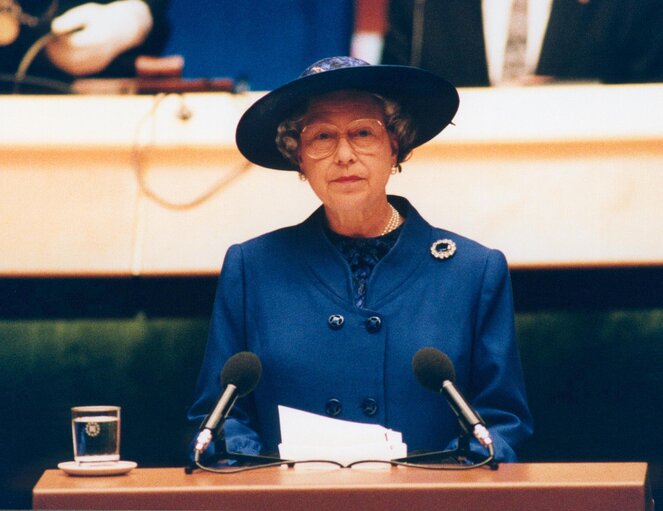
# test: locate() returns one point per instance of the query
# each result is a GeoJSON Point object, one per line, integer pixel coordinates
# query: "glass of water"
{"type": "Point", "coordinates": [96, 433]}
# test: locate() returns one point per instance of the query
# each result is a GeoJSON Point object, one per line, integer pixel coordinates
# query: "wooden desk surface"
{"type": "Point", "coordinates": [537, 486]}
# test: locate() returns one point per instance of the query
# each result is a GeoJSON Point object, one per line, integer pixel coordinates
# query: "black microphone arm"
{"type": "Point", "coordinates": [435, 371]}
{"type": "Point", "coordinates": [239, 377]}
{"type": "Point", "coordinates": [214, 421]}
{"type": "Point", "coordinates": [471, 420]}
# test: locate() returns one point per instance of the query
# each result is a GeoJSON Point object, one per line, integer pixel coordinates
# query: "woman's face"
{"type": "Point", "coordinates": [354, 174]}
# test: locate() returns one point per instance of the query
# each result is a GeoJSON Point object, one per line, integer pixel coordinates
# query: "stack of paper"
{"type": "Point", "coordinates": [307, 436]}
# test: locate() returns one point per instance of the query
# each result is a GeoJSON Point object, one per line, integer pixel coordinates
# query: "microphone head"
{"type": "Point", "coordinates": [243, 370]}
{"type": "Point", "coordinates": [432, 368]}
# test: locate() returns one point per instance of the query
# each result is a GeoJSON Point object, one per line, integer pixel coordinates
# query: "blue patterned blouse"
{"type": "Point", "coordinates": [362, 254]}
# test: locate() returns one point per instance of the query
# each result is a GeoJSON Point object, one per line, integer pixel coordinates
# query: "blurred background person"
{"type": "Point", "coordinates": [478, 43]}
{"type": "Point", "coordinates": [262, 43]}
{"type": "Point", "coordinates": [370, 25]}
{"type": "Point", "coordinates": [88, 38]}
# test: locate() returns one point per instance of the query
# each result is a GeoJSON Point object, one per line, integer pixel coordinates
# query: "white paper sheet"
{"type": "Point", "coordinates": [306, 436]}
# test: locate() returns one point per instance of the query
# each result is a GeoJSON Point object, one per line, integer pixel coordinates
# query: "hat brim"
{"type": "Point", "coordinates": [428, 99]}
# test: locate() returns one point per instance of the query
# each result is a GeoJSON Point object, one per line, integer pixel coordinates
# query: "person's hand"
{"type": "Point", "coordinates": [105, 32]}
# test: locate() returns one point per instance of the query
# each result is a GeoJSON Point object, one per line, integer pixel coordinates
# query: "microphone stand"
{"type": "Point", "coordinates": [455, 456]}
{"type": "Point", "coordinates": [242, 460]}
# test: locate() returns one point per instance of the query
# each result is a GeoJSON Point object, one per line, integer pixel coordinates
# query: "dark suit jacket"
{"type": "Point", "coordinates": [613, 41]}
{"type": "Point", "coordinates": [278, 292]}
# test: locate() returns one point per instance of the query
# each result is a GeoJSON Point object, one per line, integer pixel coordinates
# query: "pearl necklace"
{"type": "Point", "coordinates": [394, 221]}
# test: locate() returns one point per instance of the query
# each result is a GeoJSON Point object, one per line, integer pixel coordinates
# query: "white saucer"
{"type": "Point", "coordinates": [109, 468]}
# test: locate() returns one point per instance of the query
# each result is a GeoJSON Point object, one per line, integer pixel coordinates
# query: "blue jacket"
{"type": "Point", "coordinates": [281, 296]}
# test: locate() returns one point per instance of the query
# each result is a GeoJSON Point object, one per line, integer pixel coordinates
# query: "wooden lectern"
{"type": "Point", "coordinates": [518, 486]}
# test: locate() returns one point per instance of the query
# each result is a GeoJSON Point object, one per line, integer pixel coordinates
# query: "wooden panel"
{"type": "Point", "coordinates": [544, 486]}
{"type": "Point", "coordinates": [560, 176]}
{"type": "Point", "coordinates": [66, 212]}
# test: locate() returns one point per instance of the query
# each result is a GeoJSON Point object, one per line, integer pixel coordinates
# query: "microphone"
{"type": "Point", "coordinates": [435, 371]}
{"type": "Point", "coordinates": [240, 376]}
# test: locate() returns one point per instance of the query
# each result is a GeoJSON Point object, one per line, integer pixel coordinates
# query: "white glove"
{"type": "Point", "coordinates": [106, 31]}
{"type": "Point", "coordinates": [367, 46]}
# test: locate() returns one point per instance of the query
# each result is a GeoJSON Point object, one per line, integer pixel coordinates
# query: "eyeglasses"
{"type": "Point", "coordinates": [321, 139]}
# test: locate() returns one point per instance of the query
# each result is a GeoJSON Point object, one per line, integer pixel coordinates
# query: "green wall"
{"type": "Point", "coordinates": [595, 382]}
{"type": "Point", "coordinates": [147, 366]}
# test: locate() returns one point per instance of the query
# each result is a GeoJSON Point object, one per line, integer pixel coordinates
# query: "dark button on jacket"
{"type": "Point", "coordinates": [373, 324]}
{"type": "Point", "coordinates": [333, 407]}
{"type": "Point", "coordinates": [335, 321]}
{"type": "Point", "coordinates": [369, 406]}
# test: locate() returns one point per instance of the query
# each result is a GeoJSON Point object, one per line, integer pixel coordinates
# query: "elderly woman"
{"type": "Point", "coordinates": [337, 306]}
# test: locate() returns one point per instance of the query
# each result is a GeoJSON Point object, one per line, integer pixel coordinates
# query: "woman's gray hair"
{"type": "Point", "coordinates": [397, 123]}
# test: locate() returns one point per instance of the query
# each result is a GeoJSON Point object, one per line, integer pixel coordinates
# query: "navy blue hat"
{"type": "Point", "coordinates": [429, 100]}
